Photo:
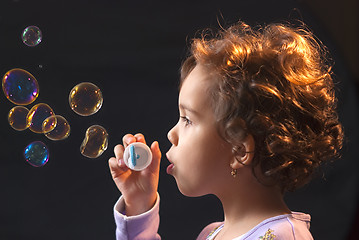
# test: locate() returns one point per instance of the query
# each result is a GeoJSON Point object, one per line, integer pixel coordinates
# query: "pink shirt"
{"type": "Point", "coordinates": [294, 226]}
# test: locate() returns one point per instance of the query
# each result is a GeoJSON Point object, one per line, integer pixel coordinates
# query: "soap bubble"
{"type": "Point", "coordinates": [49, 124]}
{"type": "Point", "coordinates": [37, 115]}
{"type": "Point", "coordinates": [95, 142]}
{"type": "Point", "coordinates": [31, 36]}
{"type": "Point", "coordinates": [17, 118]}
{"type": "Point", "coordinates": [56, 127]}
{"type": "Point", "coordinates": [85, 99]}
{"type": "Point", "coordinates": [36, 154]}
{"type": "Point", "coordinates": [20, 87]}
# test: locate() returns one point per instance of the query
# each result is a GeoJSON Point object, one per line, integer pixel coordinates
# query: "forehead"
{"type": "Point", "coordinates": [195, 89]}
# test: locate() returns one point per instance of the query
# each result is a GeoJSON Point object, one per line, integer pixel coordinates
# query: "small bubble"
{"type": "Point", "coordinates": [85, 99]}
{"type": "Point", "coordinates": [20, 87]}
{"type": "Point", "coordinates": [56, 127]}
{"type": "Point", "coordinates": [37, 115]}
{"type": "Point", "coordinates": [17, 118]}
{"type": "Point", "coordinates": [31, 36]}
{"type": "Point", "coordinates": [95, 142]}
{"type": "Point", "coordinates": [36, 154]}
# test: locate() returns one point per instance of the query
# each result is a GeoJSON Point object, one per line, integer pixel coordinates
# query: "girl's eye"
{"type": "Point", "coordinates": [186, 120]}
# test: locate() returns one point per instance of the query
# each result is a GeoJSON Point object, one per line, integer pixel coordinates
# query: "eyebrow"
{"type": "Point", "coordinates": [187, 108]}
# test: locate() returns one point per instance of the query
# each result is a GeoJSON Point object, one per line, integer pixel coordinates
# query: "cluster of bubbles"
{"type": "Point", "coordinates": [86, 99]}
{"type": "Point", "coordinates": [21, 88]}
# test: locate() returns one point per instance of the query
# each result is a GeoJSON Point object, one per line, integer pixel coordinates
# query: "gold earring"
{"type": "Point", "coordinates": [234, 172]}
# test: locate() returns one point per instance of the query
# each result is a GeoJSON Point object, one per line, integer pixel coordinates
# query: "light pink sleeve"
{"type": "Point", "coordinates": [143, 226]}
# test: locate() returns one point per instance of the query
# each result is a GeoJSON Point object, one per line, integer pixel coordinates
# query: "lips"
{"type": "Point", "coordinates": [170, 167]}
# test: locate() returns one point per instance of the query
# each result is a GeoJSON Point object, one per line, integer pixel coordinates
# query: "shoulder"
{"type": "Point", "coordinates": [293, 226]}
{"type": "Point", "coordinates": [208, 229]}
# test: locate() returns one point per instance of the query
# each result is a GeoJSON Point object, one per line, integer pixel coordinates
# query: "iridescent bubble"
{"type": "Point", "coordinates": [85, 99]}
{"type": "Point", "coordinates": [20, 87]}
{"type": "Point", "coordinates": [49, 124]}
{"type": "Point", "coordinates": [17, 118]}
{"type": "Point", "coordinates": [36, 154]}
{"type": "Point", "coordinates": [31, 36]}
{"type": "Point", "coordinates": [56, 127]}
{"type": "Point", "coordinates": [37, 115]}
{"type": "Point", "coordinates": [95, 142]}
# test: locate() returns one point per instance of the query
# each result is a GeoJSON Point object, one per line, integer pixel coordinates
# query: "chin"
{"type": "Point", "coordinates": [189, 191]}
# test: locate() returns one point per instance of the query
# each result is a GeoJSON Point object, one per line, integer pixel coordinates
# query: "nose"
{"type": "Point", "coordinates": [172, 136]}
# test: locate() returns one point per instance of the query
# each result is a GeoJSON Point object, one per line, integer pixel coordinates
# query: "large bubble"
{"type": "Point", "coordinates": [56, 127]}
{"type": "Point", "coordinates": [85, 99]}
{"type": "Point", "coordinates": [20, 87]}
{"type": "Point", "coordinates": [31, 36]}
{"type": "Point", "coordinates": [17, 118]}
{"type": "Point", "coordinates": [37, 115]}
{"type": "Point", "coordinates": [95, 142]}
{"type": "Point", "coordinates": [36, 154]}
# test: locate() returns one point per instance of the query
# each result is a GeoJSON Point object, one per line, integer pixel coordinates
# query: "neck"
{"type": "Point", "coordinates": [247, 203]}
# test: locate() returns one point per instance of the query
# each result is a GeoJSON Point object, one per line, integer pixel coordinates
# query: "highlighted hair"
{"type": "Point", "coordinates": [274, 83]}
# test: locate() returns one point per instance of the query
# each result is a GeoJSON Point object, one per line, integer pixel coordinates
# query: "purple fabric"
{"type": "Point", "coordinates": [207, 230]}
{"type": "Point", "coordinates": [143, 226]}
{"type": "Point", "coordinates": [293, 226]}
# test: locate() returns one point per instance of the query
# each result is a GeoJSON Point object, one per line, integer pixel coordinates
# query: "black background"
{"type": "Point", "coordinates": [132, 50]}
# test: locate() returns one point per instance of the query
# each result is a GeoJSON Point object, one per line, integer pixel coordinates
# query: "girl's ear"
{"type": "Point", "coordinates": [244, 153]}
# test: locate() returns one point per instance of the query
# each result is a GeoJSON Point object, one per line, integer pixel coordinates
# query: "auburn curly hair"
{"type": "Point", "coordinates": [275, 83]}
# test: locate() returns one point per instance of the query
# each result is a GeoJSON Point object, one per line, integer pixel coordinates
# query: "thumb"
{"type": "Point", "coordinates": [156, 157]}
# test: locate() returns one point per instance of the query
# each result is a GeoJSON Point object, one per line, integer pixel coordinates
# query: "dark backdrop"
{"type": "Point", "coordinates": [132, 50]}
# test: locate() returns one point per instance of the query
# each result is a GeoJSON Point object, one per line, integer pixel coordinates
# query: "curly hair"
{"type": "Point", "coordinates": [274, 83]}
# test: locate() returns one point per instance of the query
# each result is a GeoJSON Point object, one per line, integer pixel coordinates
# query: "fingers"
{"type": "Point", "coordinates": [156, 157]}
{"type": "Point", "coordinates": [140, 138]}
{"type": "Point", "coordinates": [118, 170]}
{"type": "Point", "coordinates": [117, 165]}
{"type": "Point", "coordinates": [128, 139]}
{"type": "Point", "coordinates": [118, 150]}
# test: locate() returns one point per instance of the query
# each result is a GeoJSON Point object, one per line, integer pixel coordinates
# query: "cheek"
{"type": "Point", "coordinates": [200, 169]}
{"type": "Point", "coordinates": [202, 150]}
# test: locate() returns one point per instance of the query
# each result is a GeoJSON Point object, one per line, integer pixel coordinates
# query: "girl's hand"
{"type": "Point", "coordinates": [139, 188]}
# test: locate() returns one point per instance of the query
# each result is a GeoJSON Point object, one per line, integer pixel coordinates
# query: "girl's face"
{"type": "Point", "coordinates": [200, 158]}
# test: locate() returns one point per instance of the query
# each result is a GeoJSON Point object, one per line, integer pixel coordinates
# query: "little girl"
{"type": "Point", "coordinates": [257, 117]}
